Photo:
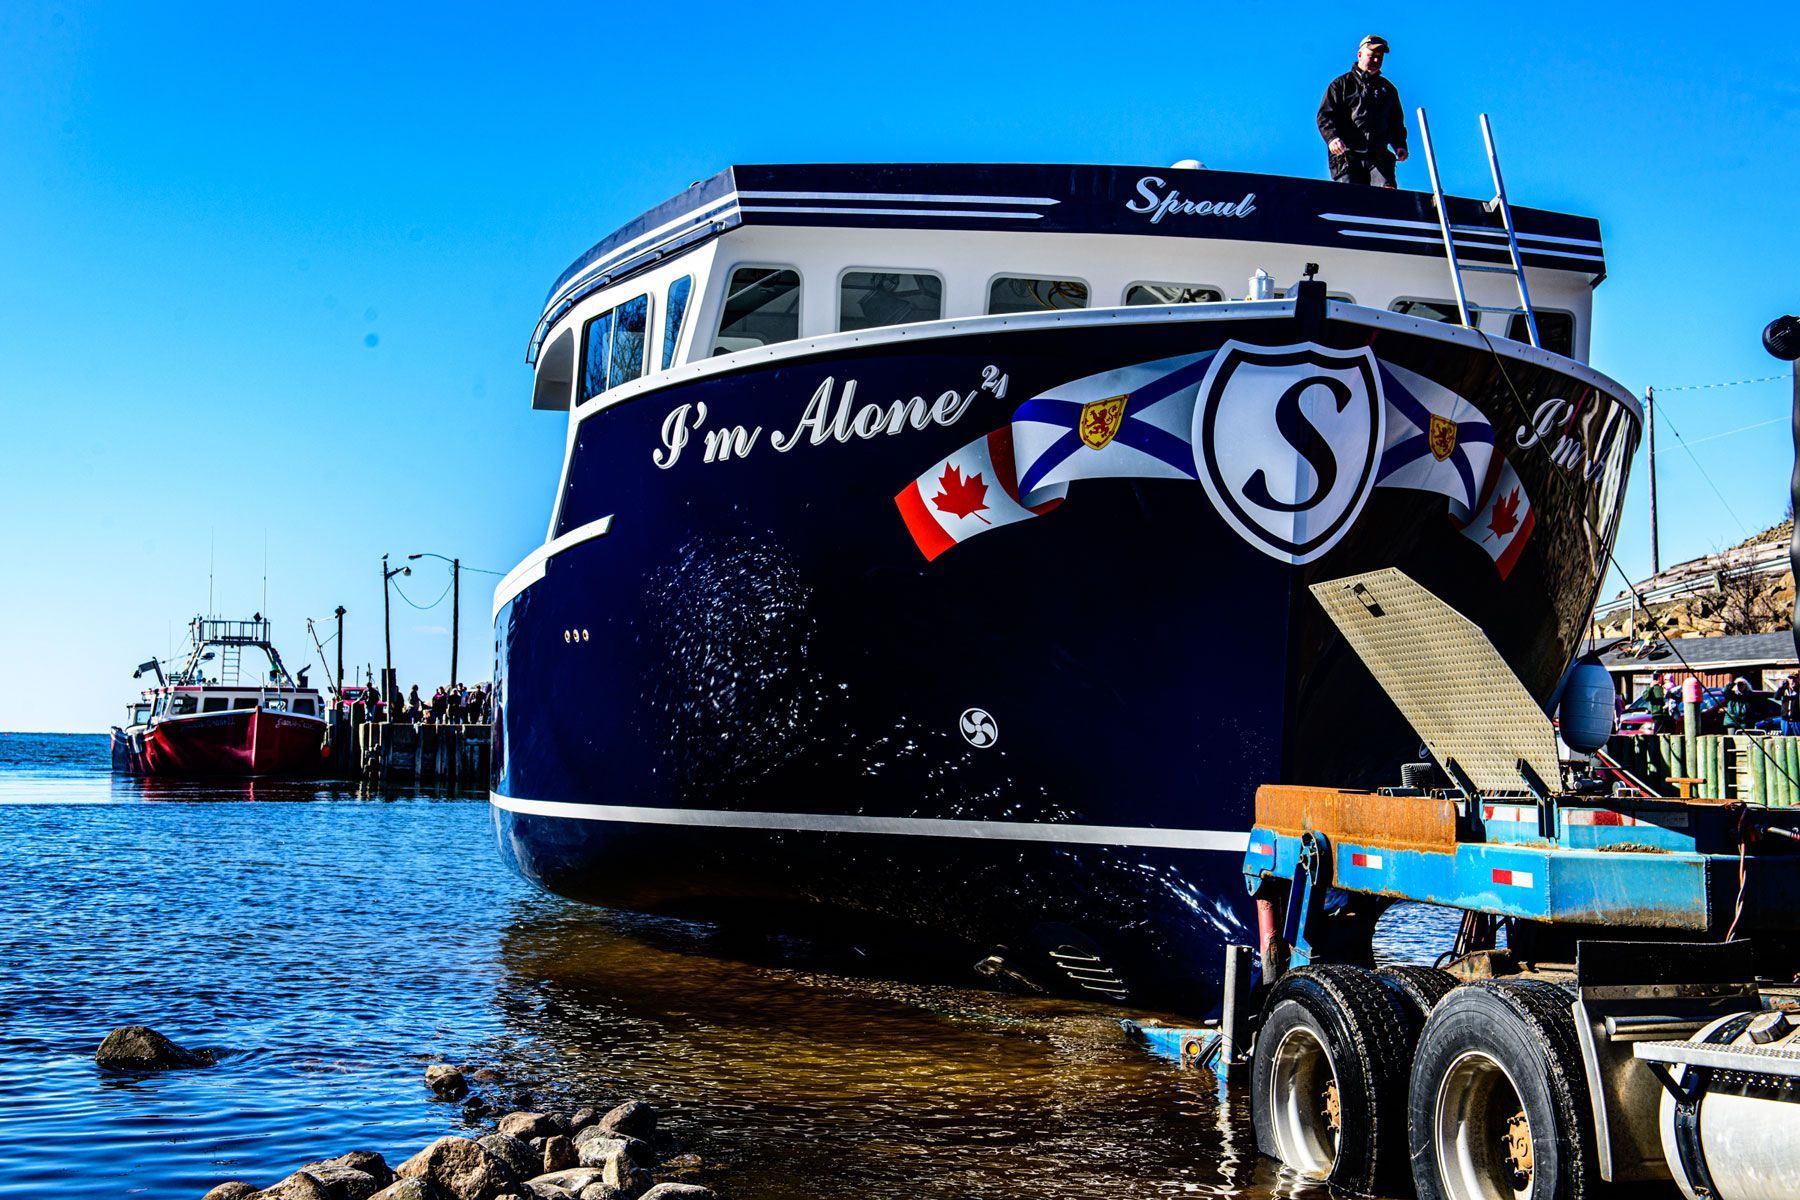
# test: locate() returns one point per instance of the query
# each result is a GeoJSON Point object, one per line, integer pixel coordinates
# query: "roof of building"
{"type": "Point", "coordinates": [1706, 653]}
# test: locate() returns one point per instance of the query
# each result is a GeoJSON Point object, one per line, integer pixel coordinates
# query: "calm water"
{"type": "Point", "coordinates": [328, 945]}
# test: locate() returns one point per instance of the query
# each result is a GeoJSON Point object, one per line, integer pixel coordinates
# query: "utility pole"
{"type": "Point", "coordinates": [1782, 339]}
{"type": "Point", "coordinates": [1650, 423]}
{"type": "Point", "coordinates": [387, 626]}
{"type": "Point", "coordinates": [455, 614]}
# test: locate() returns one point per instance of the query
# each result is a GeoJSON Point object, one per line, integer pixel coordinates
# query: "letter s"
{"type": "Point", "coordinates": [1150, 197]}
{"type": "Point", "coordinates": [1307, 441]}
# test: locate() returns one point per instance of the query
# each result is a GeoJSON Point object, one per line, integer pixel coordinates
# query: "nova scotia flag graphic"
{"type": "Point", "coordinates": [1436, 441]}
{"type": "Point", "coordinates": [1132, 423]}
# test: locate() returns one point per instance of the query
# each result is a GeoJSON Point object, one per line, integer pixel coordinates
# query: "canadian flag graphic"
{"type": "Point", "coordinates": [1504, 520]}
{"type": "Point", "coordinates": [974, 490]}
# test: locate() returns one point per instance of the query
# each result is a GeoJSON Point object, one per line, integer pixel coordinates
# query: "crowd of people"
{"type": "Point", "coordinates": [456, 704]}
{"type": "Point", "coordinates": [451, 704]}
{"type": "Point", "coordinates": [1737, 708]}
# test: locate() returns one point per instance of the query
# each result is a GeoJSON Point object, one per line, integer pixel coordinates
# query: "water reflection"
{"type": "Point", "coordinates": [329, 940]}
{"type": "Point", "coordinates": [836, 1083]}
{"type": "Point", "coordinates": [127, 788]}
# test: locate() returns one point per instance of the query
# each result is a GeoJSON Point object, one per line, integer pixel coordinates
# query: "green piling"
{"type": "Point", "coordinates": [1790, 751]}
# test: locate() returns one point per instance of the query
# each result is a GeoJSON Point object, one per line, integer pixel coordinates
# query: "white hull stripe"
{"type": "Point", "coordinates": [985, 214]}
{"type": "Point", "coordinates": [899, 198]}
{"type": "Point", "coordinates": [1498, 247]}
{"type": "Point", "coordinates": [1433, 228]}
{"type": "Point", "coordinates": [1007, 831]}
{"type": "Point", "coordinates": [718, 210]}
{"type": "Point", "coordinates": [726, 207]}
{"type": "Point", "coordinates": [534, 565]}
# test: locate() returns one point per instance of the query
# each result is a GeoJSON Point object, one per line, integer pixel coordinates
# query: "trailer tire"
{"type": "Point", "coordinates": [1326, 1096]}
{"type": "Point", "coordinates": [1417, 989]}
{"type": "Point", "coordinates": [1499, 1100]}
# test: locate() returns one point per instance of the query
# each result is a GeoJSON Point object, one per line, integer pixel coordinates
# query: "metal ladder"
{"type": "Point", "coordinates": [1450, 232]}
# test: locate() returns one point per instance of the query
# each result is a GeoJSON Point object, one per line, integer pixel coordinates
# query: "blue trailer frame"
{"type": "Point", "coordinates": [1651, 865]}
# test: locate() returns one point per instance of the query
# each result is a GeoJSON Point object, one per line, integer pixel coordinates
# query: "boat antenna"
{"type": "Point", "coordinates": [265, 602]}
{"type": "Point", "coordinates": [212, 541]}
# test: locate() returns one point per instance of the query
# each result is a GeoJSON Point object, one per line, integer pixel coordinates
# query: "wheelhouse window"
{"type": "Point", "coordinates": [868, 299]}
{"type": "Point", "coordinates": [1555, 329]}
{"type": "Point", "coordinates": [1428, 310]}
{"type": "Point", "coordinates": [612, 347]}
{"type": "Point", "coordinates": [1172, 293]}
{"type": "Point", "coordinates": [140, 713]}
{"type": "Point", "coordinates": [1012, 294]}
{"type": "Point", "coordinates": [762, 307]}
{"type": "Point", "coordinates": [674, 310]}
{"type": "Point", "coordinates": [630, 320]}
{"type": "Point", "coordinates": [244, 702]}
{"type": "Point", "coordinates": [304, 707]}
{"type": "Point", "coordinates": [214, 704]}
{"type": "Point", "coordinates": [182, 706]}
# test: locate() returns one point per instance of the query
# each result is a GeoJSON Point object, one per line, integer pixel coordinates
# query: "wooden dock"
{"type": "Point", "coordinates": [401, 752]}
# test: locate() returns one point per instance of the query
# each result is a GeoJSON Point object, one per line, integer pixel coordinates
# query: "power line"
{"type": "Point", "coordinates": [1705, 476]}
{"type": "Point", "coordinates": [416, 604]}
{"type": "Point", "coordinates": [1702, 387]}
{"type": "Point", "coordinates": [1713, 437]}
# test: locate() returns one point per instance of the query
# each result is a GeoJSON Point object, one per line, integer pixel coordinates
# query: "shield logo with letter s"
{"type": "Point", "coordinates": [1287, 440]}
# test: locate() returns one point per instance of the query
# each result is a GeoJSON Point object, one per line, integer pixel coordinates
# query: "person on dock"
{"type": "Point", "coordinates": [1362, 122]}
{"type": "Point", "coordinates": [1787, 703]}
{"type": "Point", "coordinates": [1740, 706]}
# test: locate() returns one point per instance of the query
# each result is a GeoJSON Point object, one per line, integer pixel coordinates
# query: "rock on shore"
{"type": "Point", "coordinates": [446, 1081]}
{"type": "Point", "coordinates": [466, 1170]}
{"type": "Point", "coordinates": [140, 1048]}
{"type": "Point", "coordinates": [531, 1156]}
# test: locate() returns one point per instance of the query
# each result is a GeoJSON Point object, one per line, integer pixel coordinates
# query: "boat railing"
{"type": "Point", "coordinates": [230, 632]}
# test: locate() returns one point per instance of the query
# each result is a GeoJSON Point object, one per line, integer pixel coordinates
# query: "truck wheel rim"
{"type": "Point", "coordinates": [1303, 1093]}
{"type": "Point", "coordinates": [1480, 1132]}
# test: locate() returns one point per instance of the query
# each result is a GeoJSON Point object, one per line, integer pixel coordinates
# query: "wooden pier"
{"type": "Point", "coordinates": [401, 752]}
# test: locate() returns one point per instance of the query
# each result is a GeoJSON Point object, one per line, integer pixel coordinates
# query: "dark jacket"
{"type": "Point", "coordinates": [1365, 111]}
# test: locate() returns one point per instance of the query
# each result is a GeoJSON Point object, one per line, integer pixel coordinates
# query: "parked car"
{"type": "Point", "coordinates": [349, 696]}
{"type": "Point", "coordinates": [1638, 717]}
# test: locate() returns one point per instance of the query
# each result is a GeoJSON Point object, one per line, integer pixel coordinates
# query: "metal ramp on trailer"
{"type": "Point", "coordinates": [1505, 841]}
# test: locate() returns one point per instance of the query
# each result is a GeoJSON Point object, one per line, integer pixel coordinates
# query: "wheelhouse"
{"type": "Point", "coordinates": [216, 676]}
{"type": "Point", "coordinates": [759, 256]}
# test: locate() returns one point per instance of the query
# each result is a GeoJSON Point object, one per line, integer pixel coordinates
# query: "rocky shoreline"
{"type": "Point", "coordinates": [584, 1155]}
{"type": "Point", "coordinates": [587, 1154]}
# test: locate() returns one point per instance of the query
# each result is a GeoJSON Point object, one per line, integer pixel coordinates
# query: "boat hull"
{"type": "Point", "coordinates": [242, 742]}
{"type": "Point", "coordinates": [755, 692]}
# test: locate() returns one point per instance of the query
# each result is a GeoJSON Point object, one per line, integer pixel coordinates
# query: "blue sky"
{"type": "Point", "coordinates": [269, 274]}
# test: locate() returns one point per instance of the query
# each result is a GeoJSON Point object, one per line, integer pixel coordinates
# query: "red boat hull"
{"type": "Point", "coordinates": [241, 742]}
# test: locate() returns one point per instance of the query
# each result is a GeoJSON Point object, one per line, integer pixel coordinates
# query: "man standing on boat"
{"type": "Point", "coordinates": [1362, 122]}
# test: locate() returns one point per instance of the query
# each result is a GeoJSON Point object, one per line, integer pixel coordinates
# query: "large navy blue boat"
{"type": "Point", "coordinates": [932, 546]}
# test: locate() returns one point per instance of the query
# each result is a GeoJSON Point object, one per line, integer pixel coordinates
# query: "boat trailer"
{"type": "Point", "coordinates": [1621, 1003]}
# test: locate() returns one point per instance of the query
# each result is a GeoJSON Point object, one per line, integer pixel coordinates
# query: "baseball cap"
{"type": "Point", "coordinates": [1375, 40]}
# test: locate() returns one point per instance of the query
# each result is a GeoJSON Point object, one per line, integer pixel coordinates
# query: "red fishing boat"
{"type": "Point", "coordinates": [260, 721]}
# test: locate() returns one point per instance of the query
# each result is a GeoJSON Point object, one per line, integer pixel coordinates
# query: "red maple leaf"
{"type": "Point", "coordinates": [961, 497]}
{"type": "Point", "coordinates": [1506, 514]}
